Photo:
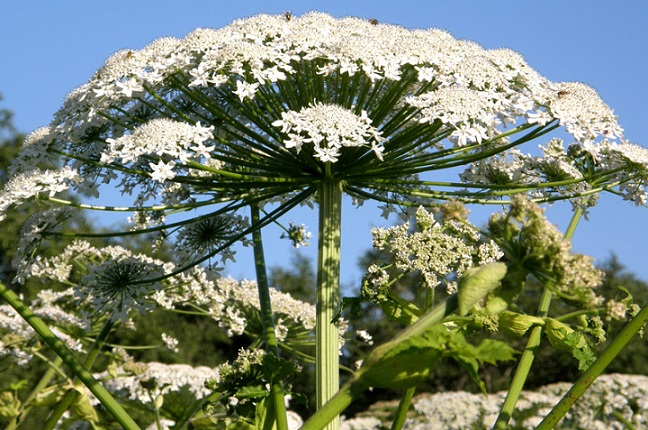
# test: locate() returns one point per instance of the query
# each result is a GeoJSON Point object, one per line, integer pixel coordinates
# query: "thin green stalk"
{"type": "Point", "coordinates": [328, 290]}
{"type": "Point", "coordinates": [41, 385]}
{"type": "Point", "coordinates": [68, 358]}
{"type": "Point", "coordinates": [403, 407]}
{"type": "Point", "coordinates": [584, 382]}
{"type": "Point", "coordinates": [528, 355]}
{"type": "Point", "coordinates": [65, 402]}
{"type": "Point", "coordinates": [265, 306]}
{"type": "Point", "coordinates": [408, 394]}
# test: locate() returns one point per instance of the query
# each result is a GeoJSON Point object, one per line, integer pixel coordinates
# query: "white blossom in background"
{"type": "Point", "coordinates": [143, 382]}
{"type": "Point", "coordinates": [611, 402]}
{"type": "Point", "coordinates": [170, 342]}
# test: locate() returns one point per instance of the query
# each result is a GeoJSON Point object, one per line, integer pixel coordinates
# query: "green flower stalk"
{"type": "Point", "coordinates": [277, 111]}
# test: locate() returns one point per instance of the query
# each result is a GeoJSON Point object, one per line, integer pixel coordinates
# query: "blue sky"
{"type": "Point", "coordinates": [50, 47]}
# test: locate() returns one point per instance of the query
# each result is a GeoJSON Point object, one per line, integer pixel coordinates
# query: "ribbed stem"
{"type": "Point", "coordinates": [352, 390]}
{"type": "Point", "coordinates": [328, 291]}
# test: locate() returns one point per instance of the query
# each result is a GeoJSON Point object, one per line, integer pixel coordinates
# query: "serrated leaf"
{"type": "Point", "coordinates": [581, 350]}
{"type": "Point", "coordinates": [276, 368]}
{"type": "Point", "coordinates": [476, 283]}
{"type": "Point", "coordinates": [493, 351]}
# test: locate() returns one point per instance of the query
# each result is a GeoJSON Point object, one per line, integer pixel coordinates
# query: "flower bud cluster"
{"type": "Point", "coordinates": [440, 248]}
{"type": "Point", "coordinates": [530, 240]}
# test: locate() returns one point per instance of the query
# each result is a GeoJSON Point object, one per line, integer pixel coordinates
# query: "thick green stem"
{"type": "Point", "coordinates": [584, 382]}
{"type": "Point", "coordinates": [535, 336]}
{"type": "Point", "coordinates": [353, 390]}
{"type": "Point", "coordinates": [328, 291]}
{"type": "Point", "coordinates": [267, 319]}
{"type": "Point", "coordinates": [68, 358]}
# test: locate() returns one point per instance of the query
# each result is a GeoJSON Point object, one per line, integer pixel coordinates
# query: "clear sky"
{"type": "Point", "coordinates": [47, 48]}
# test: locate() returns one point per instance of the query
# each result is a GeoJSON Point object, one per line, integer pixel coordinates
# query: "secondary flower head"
{"type": "Point", "coordinates": [328, 128]}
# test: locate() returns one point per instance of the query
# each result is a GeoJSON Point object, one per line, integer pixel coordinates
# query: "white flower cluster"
{"type": "Point", "coordinates": [266, 100]}
{"type": "Point", "coordinates": [240, 299]}
{"type": "Point", "coordinates": [235, 305]}
{"type": "Point", "coordinates": [297, 234]}
{"type": "Point", "coordinates": [32, 183]}
{"type": "Point", "coordinates": [160, 139]}
{"type": "Point", "coordinates": [435, 249]}
{"type": "Point", "coordinates": [116, 280]}
{"type": "Point", "coordinates": [329, 128]}
{"type": "Point", "coordinates": [152, 379]}
{"type": "Point", "coordinates": [612, 402]}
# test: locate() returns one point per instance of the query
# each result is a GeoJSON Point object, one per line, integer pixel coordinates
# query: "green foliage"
{"type": "Point", "coordinates": [478, 282]}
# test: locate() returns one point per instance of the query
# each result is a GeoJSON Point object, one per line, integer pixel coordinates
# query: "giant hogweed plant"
{"type": "Point", "coordinates": [212, 137]}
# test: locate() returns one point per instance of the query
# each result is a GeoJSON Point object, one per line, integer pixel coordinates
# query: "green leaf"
{"type": "Point", "coordinates": [252, 392]}
{"type": "Point", "coordinates": [471, 365]}
{"type": "Point", "coordinates": [405, 364]}
{"type": "Point", "coordinates": [277, 369]}
{"type": "Point", "coordinates": [516, 325]}
{"type": "Point", "coordinates": [564, 338]}
{"type": "Point", "coordinates": [354, 304]}
{"type": "Point", "coordinates": [476, 283]}
{"type": "Point", "coordinates": [493, 351]}
{"type": "Point", "coordinates": [405, 315]}
{"type": "Point", "coordinates": [18, 385]}
{"type": "Point", "coordinates": [241, 425]}
{"type": "Point", "coordinates": [51, 395]}
{"type": "Point", "coordinates": [582, 352]}
{"type": "Point", "coordinates": [82, 407]}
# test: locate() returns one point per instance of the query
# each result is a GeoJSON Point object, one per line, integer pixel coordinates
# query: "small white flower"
{"type": "Point", "coordinates": [162, 171]}
{"type": "Point", "coordinates": [245, 89]}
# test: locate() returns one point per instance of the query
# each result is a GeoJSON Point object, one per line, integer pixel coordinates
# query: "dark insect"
{"type": "Point", "coordinates": [373, 21]}
{"type": "Point", "coordinates": [562, 93]}
{"type": "Point", "coordinates": [288, 15]}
